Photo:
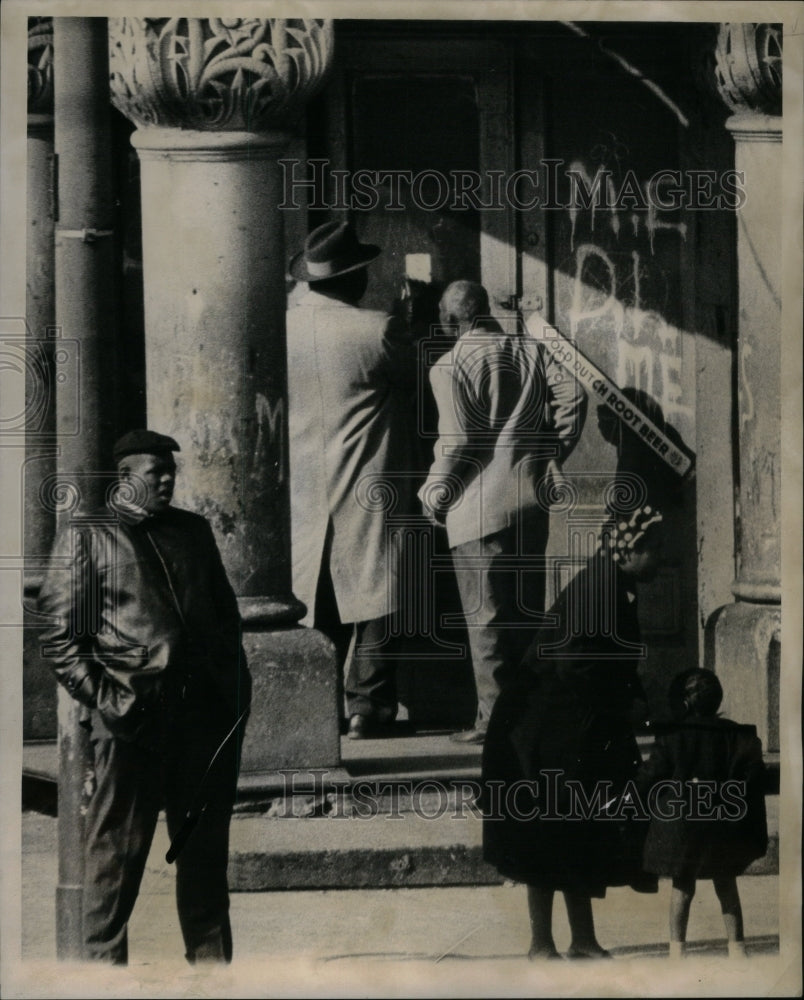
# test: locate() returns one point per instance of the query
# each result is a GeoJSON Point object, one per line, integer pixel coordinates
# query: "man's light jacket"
{"type": "Point", "coordinates": [506, 414]}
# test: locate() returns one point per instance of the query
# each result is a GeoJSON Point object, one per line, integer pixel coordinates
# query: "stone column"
{"type": "Point", "coordinates": [214, 101]}
{"type": "Point", "coordinates": [748, 71]}
{"type": "Point", "coordinates": [39, 694]}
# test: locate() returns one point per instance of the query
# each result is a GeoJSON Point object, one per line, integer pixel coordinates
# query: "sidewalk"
{"type": "Point", "coordinates": [450, 941]}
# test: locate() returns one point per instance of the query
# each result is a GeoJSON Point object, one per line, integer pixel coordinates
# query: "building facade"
{"type": "Point", "coordinates": [619, 181]}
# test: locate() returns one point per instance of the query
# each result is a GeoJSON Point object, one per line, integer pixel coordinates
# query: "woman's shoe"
{"type": "Point", "coordinates": [538, 954]}
{"type": "Point", "coordinates": [574, 952]}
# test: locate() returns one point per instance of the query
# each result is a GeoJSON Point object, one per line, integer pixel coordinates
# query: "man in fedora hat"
{"type": "Point", "coordinates": [145, 635]}
{"type": "Point", "coordinates": [351, 376]}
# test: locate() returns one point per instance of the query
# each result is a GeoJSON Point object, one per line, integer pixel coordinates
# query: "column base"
{"type": "Point", "coordinates": [295, 717]}
{"type": "Point", "coordinates": [747, 661]}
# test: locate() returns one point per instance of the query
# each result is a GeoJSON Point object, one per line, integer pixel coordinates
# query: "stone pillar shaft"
{"type": "Point", "coordinates": [213, 99]}
{"type": "Point", "coordinates": [759, 225]}
{"type": "Point", "coordinates": [747, 633]}
{"type": "Point", "coordinates": [215, 339]}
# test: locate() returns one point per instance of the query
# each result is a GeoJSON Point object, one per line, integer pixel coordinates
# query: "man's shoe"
{"type": "Point", "coordinates": [469, 736]}
{"type": "Point", "coordinates": [359, 726]}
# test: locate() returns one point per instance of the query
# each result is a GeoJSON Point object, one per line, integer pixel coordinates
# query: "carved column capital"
{"type": "Point", "coordinates": [40, 65]}
{"type": "Point", "coordinates": [217, 74]}
{"type": "Point", "coordinates": [748, 67]}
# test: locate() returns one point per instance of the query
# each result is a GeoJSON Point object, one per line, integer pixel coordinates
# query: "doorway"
{"type": "Point", "coordinates": [418, 136]}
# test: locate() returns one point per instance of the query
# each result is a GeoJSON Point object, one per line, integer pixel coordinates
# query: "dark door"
{"type": "Point", "coordinates": [420, 140]}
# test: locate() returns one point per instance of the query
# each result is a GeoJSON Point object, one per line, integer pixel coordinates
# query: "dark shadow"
{"type": "Point", "coordinates": [767, 944]}
{"type": "Point", "coordinates": [384, 765]}
{"type": "Point", "coordinates": [637, 461]}
{"type": "Point", "coordinates": [40, 794]}
{"type": "Point", "coordinates": [763, 944]}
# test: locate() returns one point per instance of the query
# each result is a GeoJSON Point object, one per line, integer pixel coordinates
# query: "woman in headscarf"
{"type": "Point", "coordinates": [561, 745]}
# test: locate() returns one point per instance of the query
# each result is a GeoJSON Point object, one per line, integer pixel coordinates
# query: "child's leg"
{"type": "Point", "coordinates": [729, 896]}
{"type": "Point", "coordinates": [540, 908]}
{"type": "Point", "coordinates": [582, 924]}
{"type": "Point", "coordinates": [680, 901]}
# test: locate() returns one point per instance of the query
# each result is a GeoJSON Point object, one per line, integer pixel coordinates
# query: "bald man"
{"type": "Point", "coordinates": [505, 413]}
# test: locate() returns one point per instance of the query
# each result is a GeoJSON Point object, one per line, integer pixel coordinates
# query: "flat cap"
{"type": "Point", "coordinates": [143, 442]}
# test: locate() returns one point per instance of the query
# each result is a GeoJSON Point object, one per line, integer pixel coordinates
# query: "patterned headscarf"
{"type": "Point", "coordinates": [625, 535]}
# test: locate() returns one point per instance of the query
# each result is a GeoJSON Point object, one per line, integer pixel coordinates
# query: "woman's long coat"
{"type": "Point", "coordinates": [563, 737]}
{"type": "Point", "coordinates": [352, 424]}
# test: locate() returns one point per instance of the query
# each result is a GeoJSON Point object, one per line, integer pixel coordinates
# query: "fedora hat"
{"type": "Point", "coordinates": [330, 250]}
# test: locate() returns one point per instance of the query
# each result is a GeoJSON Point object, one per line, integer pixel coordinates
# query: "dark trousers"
{"type": "Point", "coordinates": [132, 783]}
{"type": "Point", "coordinates": [370, 678]}
{"type": "Point", "coordinates": [502, 586]}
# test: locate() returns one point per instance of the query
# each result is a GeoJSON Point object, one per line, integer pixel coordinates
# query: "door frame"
{"type": "Point", "coordinates": [488, 63]}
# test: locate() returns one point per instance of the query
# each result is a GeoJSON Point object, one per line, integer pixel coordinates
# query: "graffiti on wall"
{"type": "Point", "coordinates": [270, 434]}
{"type": "Point", "coordinates": [613, 267]}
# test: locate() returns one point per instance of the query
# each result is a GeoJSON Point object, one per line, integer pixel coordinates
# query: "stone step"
{"type": "Point", "coordinates": [415, 756]}
{"type": "Point", "coordinates": [395, 812]}
{"type": "Point", "coordinates": [382, 850]}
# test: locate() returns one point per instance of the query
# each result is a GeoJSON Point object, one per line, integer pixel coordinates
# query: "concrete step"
{"type": "Point", "coordinates": [397, 812]}
{"type": "Point", "coordinates": [407, 754]}
{"type": "Point", "coordinates": [382, 850]}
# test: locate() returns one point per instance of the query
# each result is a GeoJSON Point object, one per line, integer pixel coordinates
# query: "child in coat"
{"type": "Point", "coordinates": [704, 789]}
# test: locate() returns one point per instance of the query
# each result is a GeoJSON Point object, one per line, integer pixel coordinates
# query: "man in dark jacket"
{"type": "Point", "coordinates": [146, 637]}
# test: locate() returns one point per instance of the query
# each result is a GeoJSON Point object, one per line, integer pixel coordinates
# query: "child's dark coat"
{"type": "Point", "coordinates": [687, 846]}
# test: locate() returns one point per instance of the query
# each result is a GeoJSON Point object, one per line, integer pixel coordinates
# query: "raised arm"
{"type": "Point", "coordinates": [567, 404]}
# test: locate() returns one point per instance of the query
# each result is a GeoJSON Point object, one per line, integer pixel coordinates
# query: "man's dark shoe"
{"type": "Point", "coordinates": [469, 736]}
{"type": "Point", "coordinates": [359, 727]}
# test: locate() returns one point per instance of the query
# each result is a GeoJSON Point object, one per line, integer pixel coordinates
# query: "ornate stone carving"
{"type": "Point", "coordinates": [217, 74]}
{"type": "Point", "coordinates": [40, 65]}
{"type": "Point", "coordinates": [748, 67]}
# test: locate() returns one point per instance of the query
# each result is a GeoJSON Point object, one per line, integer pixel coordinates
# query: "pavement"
{"type": "Point", "coordinates": [329, 903]}
{"type": "Point", "coordinates": [433, 941]}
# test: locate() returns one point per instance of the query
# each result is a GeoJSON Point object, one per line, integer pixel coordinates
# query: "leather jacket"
{"type": "Point", "coordinates": [142, 609]}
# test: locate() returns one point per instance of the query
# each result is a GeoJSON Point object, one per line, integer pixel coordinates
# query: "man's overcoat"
{"type": "Point", "coordinates": [351, 382]}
